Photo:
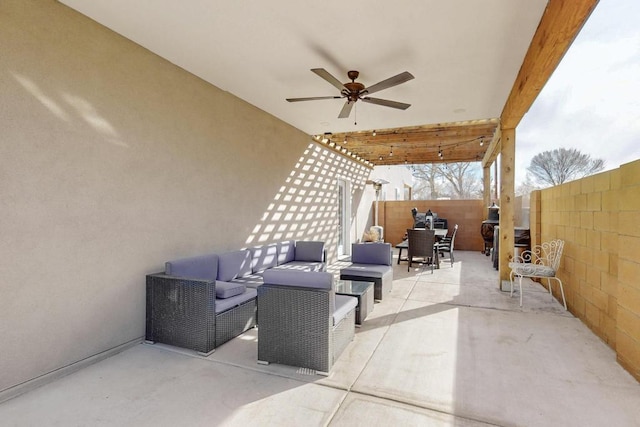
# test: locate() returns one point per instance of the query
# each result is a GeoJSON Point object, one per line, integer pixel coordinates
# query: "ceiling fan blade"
{"type": "Point", "coordinates": [386, 103]}
{"type": "Point", "coordinates": [312, 98]}
{"type": "Point", "coordinates": [328, 77]}
{"type": "Point", "coordinates": [346, 110]}
{"type": "Point", "coordinates": [390, 82]}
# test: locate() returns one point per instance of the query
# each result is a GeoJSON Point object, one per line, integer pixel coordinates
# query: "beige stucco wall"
{"type": "Point", "coordinates": [114, 161]}
{"type": "Point", "coordinates": [598, 217]}
{"type": "Point", "coordinates": [397, 177]}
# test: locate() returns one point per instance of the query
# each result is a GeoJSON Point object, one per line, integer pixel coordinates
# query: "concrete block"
{"type": "Point", "coordinates": [587, 185]}
{"type": "Point", "coordinates": [629, 298]}
{"type": "Point", "coordinates": [628, 223]}
{"type": "Point", "coordinates": [629, 248]}
{"type": "Point", "coordinates": [628, 198]}
{"type": "Point", "coordinates": [594, 201]}
{"type": "Point", "coordinates": [629, 323]}
{"type": "Point", "coordinates": [586, 220]}
{"type": "Point", "coordinates": [602, 181]}
{"type": "Point", "coordinates": [630, 174]}
{"type": "Point", "coordinates": [628, 273]}
{"type": "Point", "coordinates": [628, 352]}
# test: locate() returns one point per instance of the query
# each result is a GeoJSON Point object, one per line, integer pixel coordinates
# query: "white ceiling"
{"type": "Point", "coordinates": [464, 54]}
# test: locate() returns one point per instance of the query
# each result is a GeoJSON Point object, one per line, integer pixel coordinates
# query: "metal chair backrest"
{"type": "Point", "coordinates": [421, 242]}
{"type": "Point", "coordinates": [453, 236]}
{"type": "Point", "coordinates": [549, 253]}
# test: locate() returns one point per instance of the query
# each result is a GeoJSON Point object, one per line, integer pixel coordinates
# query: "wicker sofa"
{"type": "Point", "coordinates": [201, 302]}
{"type": "Point", "coordinates": [303, 322]}
{"type": "Point", "coordinates": [372, 262]}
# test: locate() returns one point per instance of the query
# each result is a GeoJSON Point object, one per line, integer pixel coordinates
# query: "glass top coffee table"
{"type": "Point", "coordinates": [361, 290]}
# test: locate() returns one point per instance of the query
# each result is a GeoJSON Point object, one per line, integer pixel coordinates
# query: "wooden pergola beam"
{"type": "Point", "coordinates": [559, 26]}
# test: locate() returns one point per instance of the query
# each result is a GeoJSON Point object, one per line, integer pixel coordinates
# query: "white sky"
{"type": "Point", "coordinates": [592, 101]}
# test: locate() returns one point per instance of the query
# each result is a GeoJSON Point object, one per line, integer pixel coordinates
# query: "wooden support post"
{"type": "Point", "coordinates": [507, 200]}
{"type": "Point", "coordinates": [486, 193]}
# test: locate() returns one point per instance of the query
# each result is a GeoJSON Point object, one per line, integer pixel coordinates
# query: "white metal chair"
{"type": "Point", "coordinates": [541, 262]}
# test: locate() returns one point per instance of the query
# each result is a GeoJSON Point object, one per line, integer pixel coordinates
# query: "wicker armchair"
{"type": "Point", "coordinates": [302, 321]}
{"type": "Point", "coordinates": [540, 262]}
{"type": "Point", "coordinates": [371, 262]}
{"type": "Point", "coordinates": [421, 245]}
{"type": "Point", "coordinates": [184, 310]}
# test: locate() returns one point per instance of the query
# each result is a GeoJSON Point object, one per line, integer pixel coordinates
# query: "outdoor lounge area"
{"type": "Point", "coordinates": [444, 349]}
{"type": "Point", "coordinates": [136, 134]}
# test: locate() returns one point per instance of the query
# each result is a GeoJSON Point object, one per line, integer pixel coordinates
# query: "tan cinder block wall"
{"type": "Point", "coordinates": [598, 217]}
{"type": "Point", "coordinates": [468, 214]}
{"type": "Point", "coordinates": [628, 222]}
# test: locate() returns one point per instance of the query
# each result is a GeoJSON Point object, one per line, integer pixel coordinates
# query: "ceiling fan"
{"type": "Point", "coordinates": [354, 91]}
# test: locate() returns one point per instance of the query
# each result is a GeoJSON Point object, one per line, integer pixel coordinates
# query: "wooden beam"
{"type": "Point", "coordinates": [486, 189]}
{"type": "Point", "coordinates": [559, 26]}
{"type": "Point", "coordinates": [507, 201]}
{"type": "Point", "coordinates": [493, 150]}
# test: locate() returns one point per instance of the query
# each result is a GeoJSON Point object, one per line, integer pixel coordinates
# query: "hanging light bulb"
{"type": "Point", "coordinates": [481, 141]}
{"type": "Point", "coordinates": [391, 152]}
{"type": "Point", "coordinates": [374, 132]}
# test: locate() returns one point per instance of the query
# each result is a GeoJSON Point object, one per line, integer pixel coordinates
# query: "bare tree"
{"type": "Point", "coordinates": [463, 179]}
{"type": "Point", "coordinates": [562, 165]}
{"type": "Point", "coordinates": [427, 181]}
{"type": "Point", "coordinates": [526, 187]}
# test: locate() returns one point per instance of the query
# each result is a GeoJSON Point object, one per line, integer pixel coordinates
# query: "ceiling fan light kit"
{"type": "Point", "coordinates": [355, 91]}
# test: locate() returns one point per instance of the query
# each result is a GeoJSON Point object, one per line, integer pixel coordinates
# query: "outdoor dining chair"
{"type": "Point", "coordinates": [421, 245]}
{"type": "Point", "coordinates": [446, 244]}
{"type": "Point", "coordinates": [541, 262]}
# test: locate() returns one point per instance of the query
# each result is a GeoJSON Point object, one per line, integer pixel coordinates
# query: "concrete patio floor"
{"type": "Point", "coordinates": [447, 349]}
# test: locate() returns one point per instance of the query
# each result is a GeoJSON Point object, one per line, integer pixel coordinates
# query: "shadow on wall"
{"type": "Point", "coordinates": [307, 205]}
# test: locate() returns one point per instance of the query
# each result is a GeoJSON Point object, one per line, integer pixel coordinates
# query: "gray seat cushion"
{"type": "Point", "coordinates": [197, 267]}
{"type": "Point", "coordinates": [371, 253]}
{"type": "Point", "coordinates": [264, 257]}
{"type": "Point", "coordinates": [304, 279]}
{"type": "Point", "coordinates": [228, 290]}
{"type": "Point", "coordinates": [343, 305]}
{"type": "Point", "coordinates": [366, 270]}
{"type": "Point", "coordinates": [228, 303]}
{"type": "Point", "coordinates": [250, 281]}
{"type": "Point", "coordinates": [286, 251]}
{"type": "Point", "coordinates": [234, 264]}
{"type": "Point", "coordinates": [309, 251]}
{"type": "Point", "coordinates": [302, 266]}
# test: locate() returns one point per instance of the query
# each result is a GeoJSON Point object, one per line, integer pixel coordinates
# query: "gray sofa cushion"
{"type": "Point", "coordinates": [197, 267]}
{"type": "Point", "coordinates": [309, 251]}
{"type": "Point", "coordinates": [250, 281]}
{"type": "Point", "coordinates": [286, 251]}
{"type": "Point", "coordinates": [234, 264]}
{"type": "Point", "coordinates": [366, 270]}
{"type": "Point", "coordinates": [305, 279]}
{"type": "Point", "coordinates": [227, 289]}
{"type": "Point", "coordinates": [302, 266]}
{"type": "Point", "coordinates": [343, 305]}
{"type": "Point", "coordinates": [371, 253]}
{"type": "Point", "coordinates": [264, 257]}
{"type": "Point", "coordinates": [227, 303]}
